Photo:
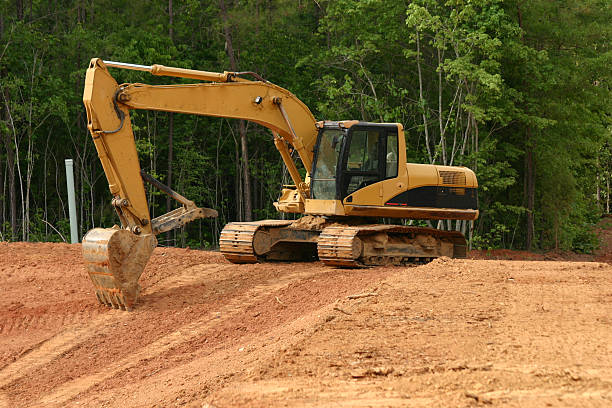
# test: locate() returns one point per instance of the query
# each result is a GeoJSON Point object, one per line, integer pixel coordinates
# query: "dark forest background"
{"type": "Point", "coordinates": [519, 91]}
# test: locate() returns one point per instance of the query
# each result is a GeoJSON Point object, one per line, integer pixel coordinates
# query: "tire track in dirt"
{"type": "Point", "coordinates": [233, 353]}
{"type": "Point", "coordinates": [217, 278]}
{"type": "Point", "coordinates": [50, 349]}
{"type": "Point", "coordinates": [189, 276]}
{"type": "Point", "coordinates": [580, 399]}
{"type": "Point", "coordinates": [35, 321]}
{"type": "Point", "coordinates": [4, 401]}
{"type": "Point", "coordinates": [180, 336]}
{"type": "Point", "coordinates": [343, 393]}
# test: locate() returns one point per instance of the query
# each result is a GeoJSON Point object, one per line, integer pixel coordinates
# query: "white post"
{"type": "Point", "coordinates": [74, 238]}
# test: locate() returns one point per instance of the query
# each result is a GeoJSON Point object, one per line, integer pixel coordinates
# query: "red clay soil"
{"type": "Point", "coordinates": [604, 232]}
{"type": "Point", "coordinates": [207, 333]}
{"type": "Point", "coordinates": [603, 254]}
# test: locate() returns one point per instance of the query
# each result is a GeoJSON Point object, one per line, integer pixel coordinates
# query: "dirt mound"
{"type": "Point", "coordinates": [311, 222]}
{"type": "Point", "coordinates": [451, 333]}
{"type": "Point", "coordinates": [209, 333]}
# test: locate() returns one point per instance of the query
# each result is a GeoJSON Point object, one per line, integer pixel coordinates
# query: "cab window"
{"type": "Point", "coordinates": [363, 160]}
{"type": "Point", "coordinates": [371, 156]}
{"type": "Point", "coordinates": [324, 175]}
{"type": "Point", "coordinates": [391, 156]}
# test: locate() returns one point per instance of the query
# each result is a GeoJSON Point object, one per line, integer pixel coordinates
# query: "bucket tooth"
{"type": "Point", "coordinates": [115, 259]}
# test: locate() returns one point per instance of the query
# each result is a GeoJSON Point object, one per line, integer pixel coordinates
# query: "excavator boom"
{"type": "Point", "coordinates": [115, 258]}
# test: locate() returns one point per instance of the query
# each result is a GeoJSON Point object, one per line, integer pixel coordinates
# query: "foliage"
{"type": "Point", "coordinates": [518, 91]}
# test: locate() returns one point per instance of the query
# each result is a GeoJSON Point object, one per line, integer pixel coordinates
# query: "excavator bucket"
{"type": "Point", "coordinates": [115, 259]}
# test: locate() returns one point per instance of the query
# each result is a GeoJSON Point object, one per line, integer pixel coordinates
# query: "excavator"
{"type": "Point", "coordinates": [355, 175]}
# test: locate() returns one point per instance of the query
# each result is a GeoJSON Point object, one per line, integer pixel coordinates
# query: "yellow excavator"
{"type": "Point", "coordinates": [355, 174]}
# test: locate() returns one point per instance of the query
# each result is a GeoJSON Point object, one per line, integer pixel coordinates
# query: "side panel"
{"type": "Point", "coordinates": [324, 207]}
{"type": "Point", "coordinates": [421, 192]}
{"type": "Point", "coordinates": [415, 213]}
{"type": "Point", "coordinates": [437, 197]}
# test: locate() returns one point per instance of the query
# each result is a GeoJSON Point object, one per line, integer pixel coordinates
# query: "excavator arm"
{"type": "Point", "coordinates": [115, 258]}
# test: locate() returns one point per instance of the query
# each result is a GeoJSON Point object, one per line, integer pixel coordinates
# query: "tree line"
{"type": "Point", "coordinates": [519, 91]}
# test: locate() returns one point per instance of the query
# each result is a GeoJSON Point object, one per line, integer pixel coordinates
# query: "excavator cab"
{"type": "Point", "coordinates": [349, 157]}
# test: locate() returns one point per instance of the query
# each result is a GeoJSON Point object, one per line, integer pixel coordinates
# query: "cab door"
{"type": "Point", "coordinates": [370, 155]}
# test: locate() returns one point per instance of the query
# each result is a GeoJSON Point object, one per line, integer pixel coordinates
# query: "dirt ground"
{"type": "Point", "coordinates": [206, 333]}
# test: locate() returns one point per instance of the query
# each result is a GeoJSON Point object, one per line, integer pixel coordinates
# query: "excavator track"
{"type": "Point", "coordinates": [339, 246]}
{"type": "Point", "coordinates": [238, 241]}
{"type": "Point", "coordinates": [371, 245]}
{"type": "Point", "coordinates": [349, 246]}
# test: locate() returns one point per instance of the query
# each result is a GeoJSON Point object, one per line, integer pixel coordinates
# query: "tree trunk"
{"type": "Point", "coordinates": [170, 157]}
{"type": "Point", "coordinates": [238, 186]}
{"type": "Point", "coordinates": [529, 187]}
{"type": "Point", "coordinates": [46, 208]}
{"type": "Point", "coordinates": [598, 193]}
{"type": "Point", "coordinates": [421, 100]}
{"type": "Point", "coordinates": [79, 185]}
{"type": "Point", "coordinates": [29, 174]}
{"type": "Point", "coordinates": [2, 200]}
{"type": "Point", "coordinates": [171, 21]}
{"type": "Point", "coordinates": [471, 235]}
{"type": "Point", "coordinates": [218, 193]}
{"type": "Point", "coordinates": [10, 158]}
{"type": "Point", "coordinates": [4, 182]}
{"type": "Point", "coordinates": [242, 130]}
{"type": "Point", "coordinates": [440, 115]}
{"type": "Point", "coordinates": [172, 234]}
{"type": "Point", "coordinates": [608, 195]}
{"type": "Point", "coordinates": [19, 8]}
{"type": "Point", "coordinates": [246, 174]}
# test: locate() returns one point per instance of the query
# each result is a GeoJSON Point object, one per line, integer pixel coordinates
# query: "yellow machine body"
{"type": "Point", "coordinates": [354, 171]}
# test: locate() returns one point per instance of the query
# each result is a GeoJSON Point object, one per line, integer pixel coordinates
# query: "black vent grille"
{"type": "Point", "coordinates": [453, 177]}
